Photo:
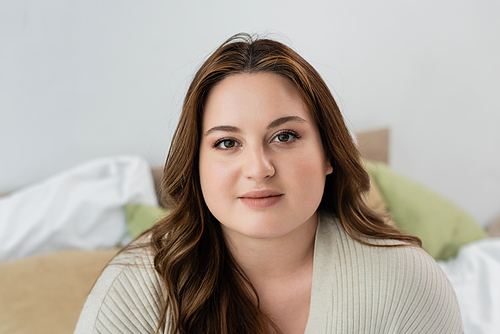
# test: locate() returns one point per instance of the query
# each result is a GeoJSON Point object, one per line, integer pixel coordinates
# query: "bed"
{"type": "Point", "coordinates": [90, 211]}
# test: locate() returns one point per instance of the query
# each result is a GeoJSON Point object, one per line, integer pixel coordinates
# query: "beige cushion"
{"type": "Point", "coordinates": [376, 202]}
{"type": "Point", "coordinates": [45, 294]}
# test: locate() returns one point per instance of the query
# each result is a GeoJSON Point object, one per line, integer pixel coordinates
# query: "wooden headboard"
{"type": "Point", "coordinates": [374, 144]}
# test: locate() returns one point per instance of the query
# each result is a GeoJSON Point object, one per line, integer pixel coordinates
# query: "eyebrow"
{"type": "Point", "coordinates": [283, 120]}
{"type": "Point", "coordinates": [225, 128]}
{"type": "Point", "coordinates": [273, 124]}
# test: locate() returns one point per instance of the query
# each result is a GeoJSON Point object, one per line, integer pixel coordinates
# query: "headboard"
{"type": "Point", "coordinates": [374, 144]}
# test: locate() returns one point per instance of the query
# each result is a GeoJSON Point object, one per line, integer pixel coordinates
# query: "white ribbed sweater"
{"type": "Point", "coordinates": [355, 289]}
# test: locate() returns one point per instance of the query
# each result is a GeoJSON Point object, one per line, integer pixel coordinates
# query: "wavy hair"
{"type": "Point", "coordinates": [206, 289]}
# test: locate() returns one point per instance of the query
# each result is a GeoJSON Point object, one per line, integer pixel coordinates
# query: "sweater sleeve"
{"type": "Point", "coordinates": [127, 298]}
{"type": "Point", "coordinates": [428, 303]}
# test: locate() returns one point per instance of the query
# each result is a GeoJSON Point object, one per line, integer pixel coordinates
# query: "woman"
{"type": "Point", "coordinates": [268, 232]}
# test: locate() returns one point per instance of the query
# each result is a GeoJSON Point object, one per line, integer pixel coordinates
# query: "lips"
{"type": "Point", "coordinates": [261, 198]}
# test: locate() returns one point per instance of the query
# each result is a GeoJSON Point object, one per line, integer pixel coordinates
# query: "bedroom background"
{"type": "Point", "coordinates": [87, 79]}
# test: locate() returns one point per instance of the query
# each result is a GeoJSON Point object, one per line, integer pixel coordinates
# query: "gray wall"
{"type": "Point", "coordinates": [84, 79]}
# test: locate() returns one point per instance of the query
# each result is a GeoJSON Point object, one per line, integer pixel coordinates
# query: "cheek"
{"type": "Point", "coordinates": [308, 174]}
{"type": "Point", "coordinates": [219, 187]}
{"type": "Point", "coordinates": [216, 180]}
{"type": "Point", "coordinates": [208, 177]}
{"type": "Point", "coordinates": [310, 164]}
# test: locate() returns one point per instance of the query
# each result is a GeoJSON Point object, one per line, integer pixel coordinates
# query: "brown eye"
{"type": "Point", "coordinates": [284, 137]}
{"type": "Point", "coordinates": [226, 144]}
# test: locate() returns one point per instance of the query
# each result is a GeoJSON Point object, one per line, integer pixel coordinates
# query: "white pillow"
{"type": "Point", "coordinates": [80, 208]}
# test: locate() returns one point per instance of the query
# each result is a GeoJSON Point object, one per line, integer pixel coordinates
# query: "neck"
{"type": "Point", "coordinates": [265, 259]}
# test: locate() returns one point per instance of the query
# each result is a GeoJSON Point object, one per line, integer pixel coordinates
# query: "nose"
{"type": "Point", "coordinates": [257, 164]}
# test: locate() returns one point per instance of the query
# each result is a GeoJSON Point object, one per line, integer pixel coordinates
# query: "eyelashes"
{"type": "Point", "coordinates": [281, 137]}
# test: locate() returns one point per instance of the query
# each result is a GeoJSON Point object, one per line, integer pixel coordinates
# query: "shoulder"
{"type": "Point", "coordinates": [421, 294]}
{"type": "Point", "coordinates": [127, 297]}
{"type": "Point", "coordinates": [403, 282]}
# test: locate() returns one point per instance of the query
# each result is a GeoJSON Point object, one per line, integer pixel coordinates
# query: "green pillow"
{"type": "Point", "coordinates": [140, 217]}
{"type": "Point", "coordinates": [417, 210]}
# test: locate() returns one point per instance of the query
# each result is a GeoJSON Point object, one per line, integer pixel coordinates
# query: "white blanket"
{"type": "Point", "coordinates": [475, 276]}
{"type": "Point", "coordinates": [80, 208]}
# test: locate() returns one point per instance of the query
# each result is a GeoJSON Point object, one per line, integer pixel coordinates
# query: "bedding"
{"type": "Point", "coordinates": [475, 277]}
{"type": "Point", "coordinates": [44, 294]}
{"type": "Point", "coordinates": [80, 208]}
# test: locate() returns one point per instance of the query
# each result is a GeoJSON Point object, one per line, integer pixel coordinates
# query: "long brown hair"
{"type": "Point", "coordinates": [206, 289]}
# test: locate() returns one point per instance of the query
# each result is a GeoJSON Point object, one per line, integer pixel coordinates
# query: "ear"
{"type": "Point", "coordinates": [329, 168]}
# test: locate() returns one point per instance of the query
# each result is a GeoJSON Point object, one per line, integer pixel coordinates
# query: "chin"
{"type": "Point", "coordinates": [261, 229]}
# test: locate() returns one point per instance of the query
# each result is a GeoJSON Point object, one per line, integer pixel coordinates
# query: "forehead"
{"type": "Point", "coordinates": [244, 99]}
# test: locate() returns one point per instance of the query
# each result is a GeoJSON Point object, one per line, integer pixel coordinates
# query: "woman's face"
{"type": "Point", "coordinates": [262, 165]}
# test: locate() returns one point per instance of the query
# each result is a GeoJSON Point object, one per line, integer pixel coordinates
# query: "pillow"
{"type": "Point", "coordinates": [417, 210]}
{"type": "Point", "coordinates": [45, 294]}
{"type": "Point", "coordinates": [140, 217]}
{"type": "Point", "coordinates": [80, 208]}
